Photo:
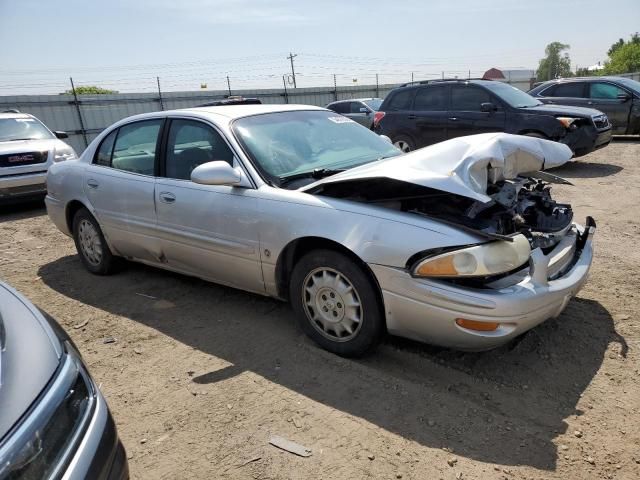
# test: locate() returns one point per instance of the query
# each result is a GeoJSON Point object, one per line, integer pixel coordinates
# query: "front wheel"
{"type": "Point", "coordinates": [336, 303]}
{"type": "Point", "coordinates": [91, 245]}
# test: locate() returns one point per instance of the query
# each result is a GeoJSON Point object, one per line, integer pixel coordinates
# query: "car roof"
{"type": "Point", "coordinates": [612, 78]}
{"type": "Point", "coordinates": [355, 100]}
{"type": "Point", "coordinates": [238, 111]}
{"type": "Point", "coordinates": [14, 115]}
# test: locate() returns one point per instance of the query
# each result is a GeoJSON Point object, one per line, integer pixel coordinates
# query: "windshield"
{"type": "Point", "coordinates": [513, 96]}
{"type": "Point", "coordinates": [22, 129]}
{"type": "Point", "coordinates": [373, 103]}
{"type": "Point", "coordinates": [632, 84]}
{"type": "Point", "coordinates": [283, 144]}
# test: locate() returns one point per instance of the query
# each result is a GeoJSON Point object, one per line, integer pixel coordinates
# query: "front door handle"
{"type": "Point", "coordinates": [412, 117]}
{"type": "Point", "coordinates": [92, 183]}
{"type": "Point", "coordinates": [167, 197]}
{"type": "Point", "coordinates": [453, 119]}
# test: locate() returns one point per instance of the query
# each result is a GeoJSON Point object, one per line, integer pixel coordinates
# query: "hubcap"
{"type": "Point", "coordinates": [332, 304]}
{"type": "Point", "coordinates": [90, 243]}
{"type": "Point", "coordinates": [402, 145]}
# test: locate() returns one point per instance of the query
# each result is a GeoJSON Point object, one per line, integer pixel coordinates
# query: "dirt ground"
{"type": "Point", "coordinates": [200, 375]}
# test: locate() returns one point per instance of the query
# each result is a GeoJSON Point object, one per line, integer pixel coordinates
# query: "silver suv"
{"type": "Point", "coordinates": [27, 150]}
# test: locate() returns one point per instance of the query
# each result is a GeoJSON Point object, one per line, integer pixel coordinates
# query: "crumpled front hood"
{"type": "Point", "coordinates": [462, 166]}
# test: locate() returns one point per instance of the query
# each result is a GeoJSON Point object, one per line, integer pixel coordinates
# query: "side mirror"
{"type": "Point", "coordinates": [623, 96]}
{"type": "Point", "coordinates": [217, 172]}
{"type": "Point", "coordinates": [488, 107]}
{"type": "Point", "coordinates": [60, 134]}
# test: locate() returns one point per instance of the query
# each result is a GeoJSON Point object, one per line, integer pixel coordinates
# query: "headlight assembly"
{"type": "Point", "coordinates": [478, 260]}
{"type": "Point", "coordinates": [568, 122]}
{"type": "Point", "coordinates": [64, 153]}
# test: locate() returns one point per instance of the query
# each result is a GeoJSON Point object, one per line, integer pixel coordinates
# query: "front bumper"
{"type": "Point", "coordinates": [426, 310]}
{"type": "Point", "coordinates": [586, 139]}
{"type": "Point", "coordinates": [20, 186]}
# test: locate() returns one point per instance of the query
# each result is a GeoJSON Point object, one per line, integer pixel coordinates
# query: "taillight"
{"type": "Point", "coordinates": [377, 117]}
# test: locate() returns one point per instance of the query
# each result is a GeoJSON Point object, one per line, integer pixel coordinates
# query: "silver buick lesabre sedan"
{"type": "Point", "coordinates": [459, 244]}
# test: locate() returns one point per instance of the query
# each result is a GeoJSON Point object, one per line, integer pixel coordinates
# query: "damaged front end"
{"type": "Point", "coordinates": [493, 189]}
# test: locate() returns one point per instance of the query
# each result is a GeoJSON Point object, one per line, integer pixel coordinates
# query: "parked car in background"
{"type": "Point", "coordinates": [449, 244]}
{"type": "Point", "coordinates": [54, 422]}
{"type": "Point", "coordinates": [617, 97]}
{"type": "Point", "coordinates": [27, 150]}
{"type": "Point", "coordinates": [423, 113]}
{"type": "Point", "coordinates": [361, 110]}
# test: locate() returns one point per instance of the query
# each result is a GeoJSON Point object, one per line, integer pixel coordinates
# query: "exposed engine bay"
{"type": "Point", "coordinates": [521, 205]}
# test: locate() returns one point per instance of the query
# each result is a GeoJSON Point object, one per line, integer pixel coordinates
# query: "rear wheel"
{"type": "Point", "coordinates": [91, 245]}
{"type": "Point", "coordinates": [336, 303]}
{"type": "Point", "coordinates": [404, 143]}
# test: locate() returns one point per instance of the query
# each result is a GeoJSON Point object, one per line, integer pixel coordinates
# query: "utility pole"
{"type": "Point", "coordinates": [293, 72]}
{"type": "Point", "coordinates": [160, 94]}
{"type": "Point", "coordinates": [229, 85]}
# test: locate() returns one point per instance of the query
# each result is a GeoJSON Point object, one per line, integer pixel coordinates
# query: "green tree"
{"type": "Point", "coordinates": [556, 63]}
{"type": "Point", "coordinates": [89, 90]}
{"type": "Point", "coordinates": [624, 57]}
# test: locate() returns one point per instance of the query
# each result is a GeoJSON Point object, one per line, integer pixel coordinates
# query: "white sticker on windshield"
{"type": "Point", "coordinates": [340, 119]}
{"type": "Point", "coordinates": [24, 120]}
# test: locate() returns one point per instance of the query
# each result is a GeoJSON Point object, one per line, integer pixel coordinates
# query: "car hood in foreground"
{"type": "Point", "coordinates": [29, 356]}
{"type": "Point", "coordinates": [566, 110]}
{"type": "Point", "coordinates": [462, 166]}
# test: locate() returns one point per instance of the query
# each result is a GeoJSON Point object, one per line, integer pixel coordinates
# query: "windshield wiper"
{"type": "Point", "coordinates": [315, 173]}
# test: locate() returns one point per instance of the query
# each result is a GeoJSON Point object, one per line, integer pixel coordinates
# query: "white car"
{"type": "Point", "coordinates": [27, 150]}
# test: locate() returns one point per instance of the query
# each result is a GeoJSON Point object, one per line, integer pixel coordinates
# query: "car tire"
{"type": "Point", "coordinates": [91, 245]}
{"type": "Point", "coordinates": [336, 303]}
{"type": "Point", "coordinates": [404, 143]}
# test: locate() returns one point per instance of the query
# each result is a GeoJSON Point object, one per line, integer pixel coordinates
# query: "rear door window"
{"type": "Point", "coordinates": [465, 98]}
{"type": "Point", "coordinates": [605, 91]}
{"type": "Point", "coordinates": [431, 99]}
{"type": "Point", "coordinates": [401, 100]}
{"type": "Point", "coordinates": [135, 147]}
{"type": "Point", "coordinates": [356, 106]}
{"type": "Point", "coordinates": [567, 90]}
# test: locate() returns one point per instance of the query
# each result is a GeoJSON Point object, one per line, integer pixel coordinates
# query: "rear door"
{"type": "Point", "coordinates": [206, 230]}
{"type": "Point", "coordinates": [603, 96]}
{"type": "Point", "coordinates": [430, 113]}
{"type": "Point", "coordinates": [120, 184]}
{"type": "Point", "coordinates": [567, 93]}
{"type": "Point", "coordinates": [465, 116]}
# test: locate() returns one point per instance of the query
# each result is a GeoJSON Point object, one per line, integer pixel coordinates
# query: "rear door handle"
{"type": "Point", "coordinates": [167, 197]}
{"type": "Point", "coordinates": [92, 183]}
{"type": "Point", "coordinates": [412, 117]}
{"type": "Point", "coordinates": [453, 119]}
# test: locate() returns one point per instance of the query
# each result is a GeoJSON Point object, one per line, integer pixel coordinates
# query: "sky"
{"type": "Point", "coordinates": [125, 44]}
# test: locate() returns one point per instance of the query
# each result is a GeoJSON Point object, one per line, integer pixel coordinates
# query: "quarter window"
{"type": "Point", "coordinates": [342, 107]}
{"type": "Point", "coordinates": [135, 147]}
{"type": "Point", "coordinates": [567, 90]}
{"type": "Point", "coordinates": [468, 99]}
{"type": "Point", "coordinates": [103, 155]}
{"type": "Point", "coordinates": [193, 143]}
{"type": "Point", "coordinates": [401, 100]}
{"type": "Point", "coordinates": [605, 91]}
{"type": "Point", "coordinates": [432, 99]}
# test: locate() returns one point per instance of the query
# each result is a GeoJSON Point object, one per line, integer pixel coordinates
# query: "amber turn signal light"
{"type": "Point", "coordinates": [478, 326]}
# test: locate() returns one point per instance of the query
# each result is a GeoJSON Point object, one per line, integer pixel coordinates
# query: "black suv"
{"type": "Point", "coordinates": [617, 97]}
{"type": "Point", "coordinates": [418, 114]}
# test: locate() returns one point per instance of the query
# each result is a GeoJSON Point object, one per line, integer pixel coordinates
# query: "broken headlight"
{"type": "Point", "coordinates": [569, 123]}
{"type": "Point", "coordinates": [477, 261]}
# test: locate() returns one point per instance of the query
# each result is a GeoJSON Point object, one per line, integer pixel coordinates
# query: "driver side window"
{"type": "Point", "coordinates": [190, 144]}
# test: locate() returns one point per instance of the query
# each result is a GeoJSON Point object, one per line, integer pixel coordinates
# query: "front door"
{"type": "Point", "coordinates": [120, 184]}
{"type": "Point", "coordinates": [604, 96]}
{"type": "Point", "coordinates": [206, 230]}
{"type": "Point", "coordinates": [466, 116]}
{"type": "Point", "coordinates": [359, 112]}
